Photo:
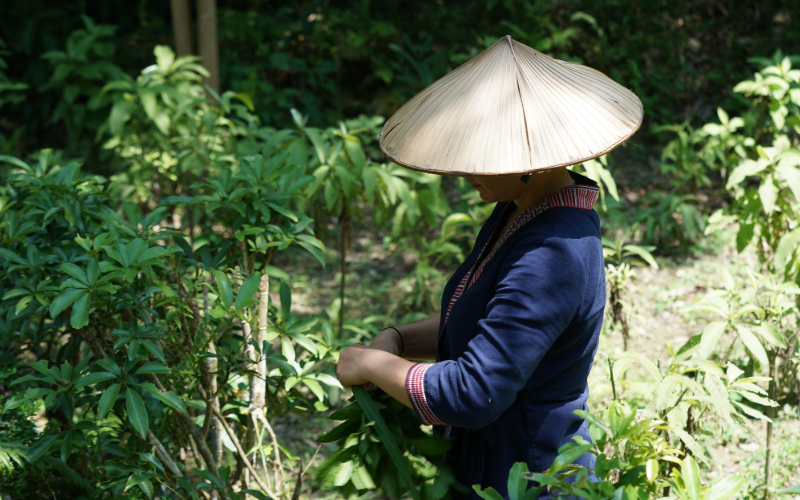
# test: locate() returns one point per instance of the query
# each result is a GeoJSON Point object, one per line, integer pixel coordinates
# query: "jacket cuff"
{"type": "Point", "coordinates": [415, 387]}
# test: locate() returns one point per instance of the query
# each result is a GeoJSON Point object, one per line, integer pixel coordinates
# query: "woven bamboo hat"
{"type": "Point", "coordinates": [511, 110]}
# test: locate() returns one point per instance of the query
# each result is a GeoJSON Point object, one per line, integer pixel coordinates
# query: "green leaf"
{"type": "Point", "coordinates": [387, 438]}
{"type": "Point", "coordinates": [283, 211]}
{"type": "Point", "coordinates": [769, 333]}
{"type": "Point", "coordinates": [107, 400]}
{"type": "Point", "coordinates": [15, 161]}
{"type": "Point", "coordinates": [643, 253]}
{"type": "Point", "coordinates": [136, 479]}
{"type": "Point", "coordinates": [652, 469]}
{"type": "Point", "coordinates": [120, 114]}
{"type": "Point", "coordinates": [274, 272]}
{"type": "Point", "coordinates": [169, 398]}
{"type": "Point", "coordinates": [41, 447]}
{"type": "Point", "coordinates": [710, 338]}
{"type": "Point", "coordinates": [744, 236]}
{"type": "Point", "coordinates": [787, 246]}
{"type": "Point", "coordinates": [80, 311]}
{"type": "Point", "coordinates": [516, 483]}
{"type": "Point", "coordinates": [286, 301]}
{"type": "Point", "coordinates": [691, 478]}
{"type": "Point", "coordinates": [569, 456]}
{"type": "Point", "coordinates": [340, 431]}
{"type": "Point", "coordinates": [753, 345]}
{"type": "Point", "coordinates": [15, 293]}
{"type": "Point", "coordinates": [22, 304]}
{"type": "Point", "coordinates": [75, 271]}
{"type": "Point", "coordinates": [92, 271]}
{"type": "Point", "coordinates": [152, 367]}
{"type": "Point", "coordinates": [316, 140]}
{"type": "Point", "coordinates": [137, 413]}
{"type": "Point", "coordinates": [258, 494]}
{"type": "Point", "coordinates": [768, 192]}
{"type": "Point", "coordinates": [487, 494]}
{"type": "Point", "coordinates": [791, 490]}
{"type": "Point", "coordinates": [313, 251]}
{"type": "Point", "coordinates": [94, 378]}
{"type": "Point", "coordinates": [247, 290]}
{"type": "Point", "coordinates": [225, 290]}
{"type": "Point", "coordinates": [217, 312]}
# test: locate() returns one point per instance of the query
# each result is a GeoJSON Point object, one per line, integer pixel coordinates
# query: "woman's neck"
{"type": "Point", "coordinates": [540, 186]}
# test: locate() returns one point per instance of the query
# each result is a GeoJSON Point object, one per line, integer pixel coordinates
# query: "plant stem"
{"type": "Point", "coordinates": [211, 464]}
{"type": "Point", "coordinates": [243, 456]}
{"type": "Point", "coordinates": [771, 414]}
{"type": "Point", "coordinates": [611, 376]}
{"type": "Point", "coordinates": [345, 221]}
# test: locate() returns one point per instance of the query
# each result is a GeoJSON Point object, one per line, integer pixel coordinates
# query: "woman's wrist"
{"type": "Point", "coordinates": [387, 340]}
{"type": "Point", "coordinates": [401, 345]}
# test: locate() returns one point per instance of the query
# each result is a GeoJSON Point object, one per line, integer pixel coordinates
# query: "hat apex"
{"type": "Point", "coordinates": [511, 110]}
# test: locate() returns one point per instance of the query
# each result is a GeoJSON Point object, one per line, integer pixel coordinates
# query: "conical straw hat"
{"type": "Point", "coordinates": [511, 110]}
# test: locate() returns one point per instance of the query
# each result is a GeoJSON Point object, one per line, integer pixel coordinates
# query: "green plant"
{"type": "Point", "coordinates": [160, 349]}
{"type": "Point", "coordinates": [374, 434]}
{"type": "Point", "coordinates": [618, 257]}
{"type": "Point", "coordinates": [776, 88]}
{"type": "Point", "coordinates": [165, 131]}
{"type": "Point", "coordinates": [764, 318]}
{"type": "Point", "coordinates": [633, 460]}
{"type": "Point", "coordinates": [78, 74]}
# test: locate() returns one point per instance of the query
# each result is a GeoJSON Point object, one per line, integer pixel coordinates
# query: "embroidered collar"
{"type": "Point", "coordinates": [581, 196]}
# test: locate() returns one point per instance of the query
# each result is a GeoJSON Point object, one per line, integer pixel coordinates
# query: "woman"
{"type": "Point", "coordinates": [521, 316]}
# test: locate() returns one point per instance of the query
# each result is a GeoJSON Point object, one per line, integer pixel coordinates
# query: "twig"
{"type": "Point", "coordinates": [275, 446]}
{"type": "Point", "coordinates": [193, 430]}
{"type": "Point", "coordinates": [312, 460]}
{"type": "Point", "coordinates": [163, 455]}
{"type": "Point", "coordinates": [243, 455]}
{"type": "Point", "coordinates": [298, 485]}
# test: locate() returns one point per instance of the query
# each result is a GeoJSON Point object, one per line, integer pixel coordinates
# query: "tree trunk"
{"type": "Point", "coordinates": [182, 27]}
{"type": "Point", "coordinates": [211, 367]}
{"type": "Point", "coordinates": [207, 40]}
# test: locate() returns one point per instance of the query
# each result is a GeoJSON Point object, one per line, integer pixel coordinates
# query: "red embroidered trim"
{"type": "Point", "coordinates": [575, 196]}
{"type": "Point", "coordinates": [415, 387]}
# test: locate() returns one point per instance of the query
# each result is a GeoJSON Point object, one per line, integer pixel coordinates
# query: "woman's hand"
{"type": "Point", "coordinates": [360, 365]}
{"type": "Point", "coordinates": [351, 368]}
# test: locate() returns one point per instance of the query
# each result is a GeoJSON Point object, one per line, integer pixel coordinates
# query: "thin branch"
{"type": "Point", "coordinates": [163, 455]}
{"type": "Point", "coordinates": [243, 455]}
{"type": "Point", "coordinates": [192, 428]}
{"type": "Point", "coordinates": [275, 446]}
{"type": "Point", "coordinates": [298, 485]}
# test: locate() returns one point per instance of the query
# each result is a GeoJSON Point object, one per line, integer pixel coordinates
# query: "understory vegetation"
{"type": "Point", "coordinates": [179, 267]}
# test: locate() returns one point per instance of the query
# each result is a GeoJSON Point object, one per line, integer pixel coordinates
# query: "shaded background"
{"type": "Point", "coordinates": [335, 59]}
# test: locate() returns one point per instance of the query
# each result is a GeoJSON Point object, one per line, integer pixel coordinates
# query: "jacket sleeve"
{"type": "Point", "coordinates": [539, 290]}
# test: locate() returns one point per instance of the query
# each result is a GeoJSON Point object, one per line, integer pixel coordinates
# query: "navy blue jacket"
{"type": "Point", "coordinates": [520, 324]}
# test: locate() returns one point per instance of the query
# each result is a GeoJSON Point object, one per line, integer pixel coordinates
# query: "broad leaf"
{"type": "Point", "coordinates": [137, 413]}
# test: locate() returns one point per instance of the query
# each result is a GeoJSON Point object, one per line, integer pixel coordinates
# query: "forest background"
{"type": "Point", "coordinates": [188, 242]}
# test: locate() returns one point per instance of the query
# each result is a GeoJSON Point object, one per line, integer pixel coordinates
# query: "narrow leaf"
{"type": "Point", "coordinates": [107, 401]}
{"type": "Point", "coordinates": [387, 438]}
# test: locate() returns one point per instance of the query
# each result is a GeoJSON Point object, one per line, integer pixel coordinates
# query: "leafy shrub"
{"type": "Point", "coordinates": [363, 460]}
{"type": "Point", "coordinates": [144, 335]}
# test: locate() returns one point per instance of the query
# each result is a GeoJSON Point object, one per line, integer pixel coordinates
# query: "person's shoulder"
{"type": "Point", "coordinates": [563, 222]}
